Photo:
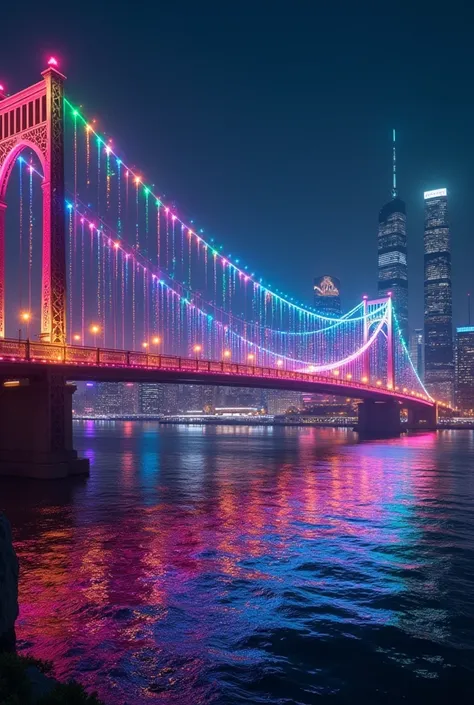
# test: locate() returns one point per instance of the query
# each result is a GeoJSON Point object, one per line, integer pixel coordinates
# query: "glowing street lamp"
{"type": "Point", "coordinates": [76, 338]}
{"type": "Point", "coordinates": [94, 330]}
{"type": "Point", "coordinates": [365, 380]}
{"type": "Point", "coordinates": [336, 373]}
{"type": "Point", "coordinates": [197, 349]}
{"type": "Point", "coordinates": [144, 345]}
{"type": "Point", "coordinates": [279, 363]}
{"type": "Point", "coordinates": [251, 356]}
{"type": "Point", "coordinates": [25, 316]}
{"type": "Point", "coordinates": [156, 340]}
{"type": "Point", "coordinates": [226, 354]}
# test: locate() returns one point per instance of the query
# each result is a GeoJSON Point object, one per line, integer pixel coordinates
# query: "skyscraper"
{"type": "Point", "coordinates": [417, 351]}
{"type": "Point", "coordinates": [327, 296]}
{"type": "Point", "coordinates": [439, 363]}
{"type": "Point", "coordinates": [392, 251]}
{"type": "Point", "coordinates": [465, 368]}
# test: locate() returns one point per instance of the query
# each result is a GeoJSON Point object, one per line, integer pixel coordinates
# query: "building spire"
{"type": "Point", "coordinates": [394, 167]}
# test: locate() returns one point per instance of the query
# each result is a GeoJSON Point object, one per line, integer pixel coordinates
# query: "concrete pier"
{"type": "Point", "coordinates": [36, 429]}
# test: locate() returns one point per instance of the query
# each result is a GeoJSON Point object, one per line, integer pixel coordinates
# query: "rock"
{"type": "Point", "coordinates": [8, 586]}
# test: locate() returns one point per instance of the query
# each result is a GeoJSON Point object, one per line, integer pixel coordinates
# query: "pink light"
{"type": "Point", "coordinates": [1, 88]}
{"type": "Point", "coordinates": [52, 61]}
{"type": "Point", "coordinates": [116, 245]}
{"type": "Point", "coordinates": [173, 217]}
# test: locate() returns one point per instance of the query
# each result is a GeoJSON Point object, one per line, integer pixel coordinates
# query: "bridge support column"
{"type": "Point", "coordinates": [423, 418]}
{"type": "Point", "coordinates": [379, 419]}
{"type": "Point", "coordinates": [36, 430]}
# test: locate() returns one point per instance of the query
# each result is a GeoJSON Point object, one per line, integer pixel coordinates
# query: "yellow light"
{"type": "Point", "coordinates": [349, 376]}
{"type": "Point", "coordinates": [197, 348]}
{"type": "Point", "coordinates": [76, 337]}
{"type": "Point", "coordinates": [144, 345]}
{"type": "Point", "coordinates": [137, 179]}
{"type": "Point", "coordinates": [379, 383]}
{"type": "Point", "coordinates": [95, 329]}
{"type": "Point", "coordinates": [389, 386]}
{"type": "Point", "coordinates": [311, 368]}
{"type": "Point", "coordinates": [336, 373]}
{"type": "Point", "coordinates": [279, 363]}
{"type": "Point", "coordinates": [25, 316]}
{"type": "Point", "coordinates": [226, 353]}
{"type": "Point", "coordinates": [365, 380]}
{"type": "Point", "coordinates": [251, 356]}
{"type": "Point", "coordinates": [11, 383]}
{"type": "Point", "coordinates": [156, 340]}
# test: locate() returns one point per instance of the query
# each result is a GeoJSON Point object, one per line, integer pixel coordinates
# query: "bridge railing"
{"type": "Point", "coordinates": [78, 355]}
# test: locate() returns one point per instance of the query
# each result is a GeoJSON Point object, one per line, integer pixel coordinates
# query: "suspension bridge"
{"type": "Point", "coordinates": [113, 283]}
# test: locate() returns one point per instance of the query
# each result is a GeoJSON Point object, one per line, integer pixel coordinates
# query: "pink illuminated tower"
{"type": "Point", "coordinates": [33, 118]}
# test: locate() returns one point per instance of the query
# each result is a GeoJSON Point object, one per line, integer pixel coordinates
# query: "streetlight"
{"type": "Point", "coordinates": [251, 356]}
{"type": "Point", "coordinates": [26, 317]}
{"type": "Point", "coordinates": [94, 330]}
{"type": "Point", "coordinates": [144, 345]}
{"type": "Point", "coordinates": [336, 373]}
{"type": "Point", "coordinates": [76, 338]}
{"type": "Point", "coordinates": [156, 340]}
{"type": "Point", "coordinates": [197, 349]}
{"type": "Point", "coordinates": [279, 363]}
{"type": "Point", "coordinates": [226, 354]}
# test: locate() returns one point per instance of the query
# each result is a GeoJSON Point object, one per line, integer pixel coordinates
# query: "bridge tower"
{"type": "Point", "coordinates": [34, 118]}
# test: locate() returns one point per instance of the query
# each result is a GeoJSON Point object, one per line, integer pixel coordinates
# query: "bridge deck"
{"type": "Point", "coordinates": [26, 358]}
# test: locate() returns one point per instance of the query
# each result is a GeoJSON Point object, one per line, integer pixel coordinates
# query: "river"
{"type": "Point", "coordinates": [228, 565]}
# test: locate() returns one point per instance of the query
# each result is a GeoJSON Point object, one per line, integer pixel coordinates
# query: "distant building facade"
{"type": "Point", "coordinates": [417, 351]}
{"type": "Point", "coordinates": [464, 377]}
{"type": "Point", "coordinates": [327, 295]}
{"type": "Point", "coordinates": [392, 252]}
{"type": "Point", "coordinates": [439, 359]}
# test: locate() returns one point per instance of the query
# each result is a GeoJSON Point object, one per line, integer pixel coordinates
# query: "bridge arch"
{"type": "Point", "coordinates": [33, 118]}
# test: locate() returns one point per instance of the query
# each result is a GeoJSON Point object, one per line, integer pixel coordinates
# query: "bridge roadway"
{"type": "Point", "coordinates": [79, 363]}
{"type": "Point", "coordinates": [36, 438]}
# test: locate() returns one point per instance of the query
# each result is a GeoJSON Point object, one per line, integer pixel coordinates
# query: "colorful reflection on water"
{"type": "Point", "coordinates": [259, 565]}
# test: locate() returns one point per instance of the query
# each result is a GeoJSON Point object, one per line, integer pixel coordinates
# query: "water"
{"type": "Point", "coordinates": [253, 565]}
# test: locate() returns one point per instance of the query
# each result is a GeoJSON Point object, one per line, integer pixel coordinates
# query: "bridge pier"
{"type": "Point", "coordinates": [423, 418]}
{"type": "Point", "coordinates": [36, 429]}
{"type": "Point", "coordinates": [378, 419]}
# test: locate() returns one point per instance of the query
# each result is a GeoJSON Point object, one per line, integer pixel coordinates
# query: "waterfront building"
{"type": "Point", "coordinates": [151, 399]}
{"type": "Point", "coordinates": [392, 252]}
{"type": "Point", "coordinates": [464, 368]}
{"type": "Point", "coordinates": [439, 361]}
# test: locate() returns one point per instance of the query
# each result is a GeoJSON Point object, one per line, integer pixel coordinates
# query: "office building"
{"type": "Point", "coordinates": [392, 252]}
{"type": "Point", "coordinates": [151, 399]}
{"type": "Point", "coordinates": [279, 402]}
{"type": "Point", "coordinates": [417, 351]}
{"type": "Point", "coordinates": [439, 363]}
{"type": "Point", "coordinates": [327, 297]}
{"type": "Point", "coordinates": [464, 396]}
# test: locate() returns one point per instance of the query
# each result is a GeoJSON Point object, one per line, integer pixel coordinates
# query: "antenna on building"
{"type": "Point", "coordinates": [394, 167]}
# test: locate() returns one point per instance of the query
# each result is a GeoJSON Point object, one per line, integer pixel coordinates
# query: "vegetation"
{"type": "Point", "coordinates": [16, 686]}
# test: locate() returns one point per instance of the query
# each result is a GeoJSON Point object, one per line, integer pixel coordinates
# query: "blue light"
{"type": "Point", "coordinates": [465, 329]}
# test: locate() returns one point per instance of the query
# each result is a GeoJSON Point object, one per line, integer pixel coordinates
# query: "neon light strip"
{"type": "Point", "coordinates": [316, 368]}
{"type": "Point", "coordinates": [299, 307]}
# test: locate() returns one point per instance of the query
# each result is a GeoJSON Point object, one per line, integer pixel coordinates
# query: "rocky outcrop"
{"type": "Point", "coordinates": [8, 586]}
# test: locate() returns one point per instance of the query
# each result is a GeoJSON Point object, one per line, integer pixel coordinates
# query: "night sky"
{"type": "Point", "coordinates": [269, 123]}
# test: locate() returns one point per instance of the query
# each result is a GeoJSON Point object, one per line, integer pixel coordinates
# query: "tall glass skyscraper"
{"type": "Point", "coordinates": [439, 362]}
{"type": "Point", "coordinates": [392, 251]}
{"type": "Point", "coordinates": [465, 368]}
{"type": "Point", "coordinates": [327, 296]}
